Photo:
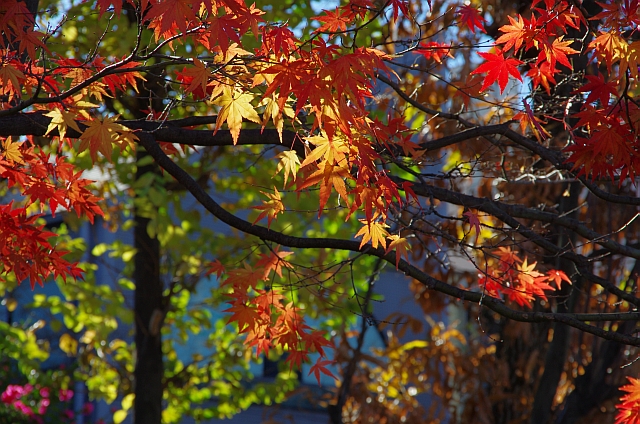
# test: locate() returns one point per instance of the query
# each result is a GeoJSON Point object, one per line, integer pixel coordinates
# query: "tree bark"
{"type": "Point", "coordinates": [148, 312]}
{"type": "Point", "coordinates": [557, 352]}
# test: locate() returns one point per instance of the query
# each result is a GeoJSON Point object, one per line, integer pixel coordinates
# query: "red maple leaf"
{"type": "Point", "coordinates": [278, 40]}
{"type": "Point", "coordinates": [434, 50]}
{"type": "Point", "coordinates": [474, 222]}
{"type": "Point", "coordinates": [498, 69]}
{"type": "Point", "coordinates": [402, 6]}
{"type": "Point", "coordinates": [557, 52]}
{"type": "Point", "coordinates": [598, 89]}
{"type": "Point", "coordinates": [557, 276]}
{"type": "Point", "coordinates": [320, 367]}
{"type": "Point", "coordinates": [172, 12]}
{"type": "Point", "coordinates": [542, 75]}
{"type": "Point", "coordinates": [471, 17]}
{"type": "Point", "coordinates": [295, 358]}
{"type": "Point", "coordinates": [221, 30]}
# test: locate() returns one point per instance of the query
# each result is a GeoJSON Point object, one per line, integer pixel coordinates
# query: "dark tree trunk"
{"type": "Point", "coordinates": [559, 346]}
{"type": "Point", "coordinates": [148, 312]}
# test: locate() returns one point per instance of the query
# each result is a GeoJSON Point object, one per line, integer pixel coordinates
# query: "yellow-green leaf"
{"type": "Point", "coordinates": [68, 344]}
{"type": "Point", "coordinates": [119, 416]}
{"type": "Point", "coordinates": [127, 401]}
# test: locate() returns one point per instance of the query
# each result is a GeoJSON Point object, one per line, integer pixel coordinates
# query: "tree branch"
{"type": "Point", "coordinates": [578, 321]}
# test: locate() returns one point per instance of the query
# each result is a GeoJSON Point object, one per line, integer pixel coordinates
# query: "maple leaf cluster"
{"type": "Point", "coordinates": [629, 406]}
{"type": "Point", "coordinates": [323, 90]}
{"type": "Point", "coordinates": [42, 182]}
{"type": "Point", "coordinates": [605, 137]}
{"type": "Point", "coordinates": [518, 280]}
{"type": "Point", "coordinates": [542, 34]}
{"type": "Point", "coordinates": [267, 319]}
{"type": "Point", "coordinates": [66, 89]}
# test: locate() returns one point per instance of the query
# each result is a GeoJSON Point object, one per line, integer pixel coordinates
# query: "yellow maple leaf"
{"type": "Point", "coordinates": [233, 110]}
{"type": "Point", "coordinates": [631, 60]}
{"type": "Point", "coordinates": [11, 151]}
{"type": "Point", "coordinates": [290, 163]}
{"type": "Point", "coordinates": [374, 232]}
{"type": "Point", "coordinates": [331, 151]}
{"type": "Point", "coordinates": [62, 120]}
{"type": "Point", "coordinates": [272, 110]}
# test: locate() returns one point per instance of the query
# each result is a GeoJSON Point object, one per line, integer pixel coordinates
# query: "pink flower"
{"type": "Point", "coordinates": [12, 393]}
{"type": "Point", "coordinates": [43, 405]}
{"type": "Point", "coordinates": [23, 408]}
{"type": "Point", "coordinates": [68, 413]}
{"type": "Point", "coordinates": [65, 395]}
{"type": "Point", "coordinates": [87, 408]}
{"type": "Point", "coordinates": [44, 392]}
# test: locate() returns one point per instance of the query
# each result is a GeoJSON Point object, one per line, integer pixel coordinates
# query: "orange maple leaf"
{"type": "Point", "coordinates": [610, 47]}
{"type": "Point", "coordinates": [542, 74]}
{"type": "Point", "coordinates": [629, 406]}
{"type": "Point", "coordinates": [328, 176]}
{"type": "Point", "coordinates": [270, 208]}
{"type": "Point", "coordinates": [198, 75]}
{"type": "Point", "coordinates": [515, 34]}
{"type": "Point", "coordinates": [274, 261]}
{"type": "Point", "coordinates": [215, 267]}
{"type": "Point", "coordinates": [528, 119]}
{"type": "Point", "coordinates": [401, 245]}
{"type": "Point", "coordinates": [241, 279]}
{"type": "Point", "coordinates": [170, 13]}
{"type": "Point", "coordinates": [100, 136]}
{"type": "Point", "coordinates": [333, 21]}
{"type": "Point", "coordinates": [557, 52]}
{"type": "Point", "coordinates": [10, 79]}
{"type": "Point", "coordinates": [434, 50]}
{"type": "Point", "coordinates": [329, 150]}
{"type": "Point", "coordinates": [557, 276]}
{"type": "Point", "coordinates": [246, 316]}
{"type": "Point", "coordinates": [631, 60]}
